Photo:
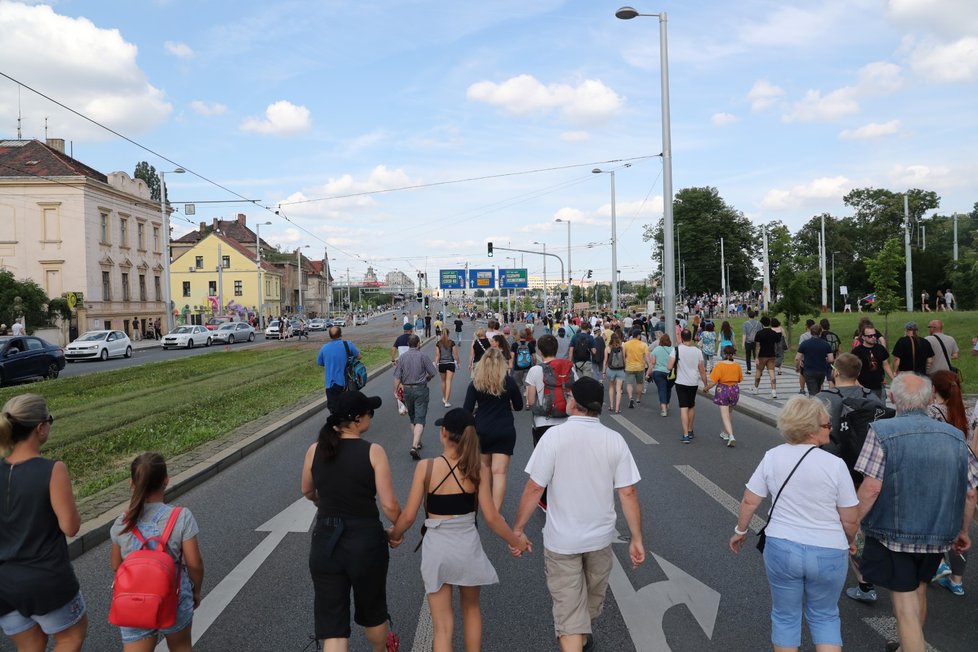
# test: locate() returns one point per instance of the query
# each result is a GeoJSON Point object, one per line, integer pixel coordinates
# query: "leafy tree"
{"type": "Point", "coordinates": [778, 253]}
{"type": "Point", "coordinates": [884, 272]}
{"type": "Point", "coordinates": [148, 173]}
{"type": "Point", "coordinates": [798, 282]}
{"type": "Point", "coordinates": [23, 299]}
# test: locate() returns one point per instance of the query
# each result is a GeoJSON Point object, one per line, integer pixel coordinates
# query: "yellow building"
{"type": "Point", "coordinates": [218, 276]}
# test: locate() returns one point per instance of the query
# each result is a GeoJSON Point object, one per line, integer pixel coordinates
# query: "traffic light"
{"type": "Point", "coordinates": [420, 295]}
{"type": "Point", "coordinates": [589, 273]}
{"type": "Point", "coordinates": [490, 250]}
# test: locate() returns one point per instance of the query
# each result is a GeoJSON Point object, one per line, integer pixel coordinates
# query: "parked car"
{"type": "Point", "coordinates": [234, 331]}
{"type": "Point", "coordinates": [360, 320]}
{"type": "Point", "coordinates": [187, 336]}
{"type": "Point", "coordinates": [214, 323]}
{"type": "Point", "coordinates": [339, 321]}
{"type": "Point", "coordinates": [296, 326]}
{"type": "Point", "coordinates": [26, 357]}
{"type": "Point", "coordinates": [99, 344]}
{"type": "Point", "coordinates": [272, 330]}
{"type": "Point", "coordinates": [317, 325]}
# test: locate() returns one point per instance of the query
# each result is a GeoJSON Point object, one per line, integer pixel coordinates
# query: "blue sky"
{"type": "Point", "coordinates": [783, 106]}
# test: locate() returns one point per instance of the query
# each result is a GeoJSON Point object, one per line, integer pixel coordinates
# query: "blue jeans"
{"type": "Point", "coordinates": [665, 392]}
{"type": "Point", "coordinates": [812, 575]}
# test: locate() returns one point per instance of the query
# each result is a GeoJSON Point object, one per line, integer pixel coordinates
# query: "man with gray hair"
{"type": "Point", "coordinates": [412, 373]}
{"type": "Point", "coordinates": [916, 502]}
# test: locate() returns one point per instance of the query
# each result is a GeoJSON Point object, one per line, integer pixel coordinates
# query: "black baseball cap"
{"type": "Point", "coordinates": [456, 420]}
{"type": "Point", "coordinates": [588, 393]}
{"type": "Point", "coordinates": [350, 405]}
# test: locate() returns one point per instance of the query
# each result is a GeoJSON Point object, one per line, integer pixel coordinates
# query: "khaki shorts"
{"type": "Point", "coordinates": [765, 363]}
{"type": "Point", "coordinates": [577, 585]}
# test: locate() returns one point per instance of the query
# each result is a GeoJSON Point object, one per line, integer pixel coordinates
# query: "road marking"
{"type": "Point", "coordinates": [297, 517]}
{"type": "Point", "coordinates": [632, 428]}
{"type": "Point", "coordinates": [644, 610]}
{"type": "Point", "coordinates": [423, 634]}
{"type": "Point", "coordinates": [727, 501]}
{"type": "Point", "coordinates": [886, 627]}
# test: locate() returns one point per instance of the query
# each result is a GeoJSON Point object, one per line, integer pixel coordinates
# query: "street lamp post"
{"type": "Point", "coordinates": [614, 238]}
{"type": "Point", "coordinates": [261, 299]}
{"type": "Point", "coordinates": [165, 214]}
{"type": "Point", "coordinates": [668, 254]}
{"type": "Point", "coordinates": [298, 280]}
{"type": "Point", "coordinates": [570, 275]}
{"type": "Point", "coordinates": [833, 280]}
{"type": "Point", "coordinates": [544, 275]}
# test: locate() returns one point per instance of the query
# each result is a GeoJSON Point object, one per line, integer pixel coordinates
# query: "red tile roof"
{"type": "Point", "coordinates": [32, 158]}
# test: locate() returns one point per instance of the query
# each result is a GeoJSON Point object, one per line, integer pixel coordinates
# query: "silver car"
{"type": "Point", "coordinates": [187, 336]}
{"type": "Point", "coordinates": [234, 331]}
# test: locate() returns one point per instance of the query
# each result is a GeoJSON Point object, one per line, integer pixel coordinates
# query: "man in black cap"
{"type": "Point", "coordinates": [583, 464]}
{"type": "Point", "coordinates": [912, 353]}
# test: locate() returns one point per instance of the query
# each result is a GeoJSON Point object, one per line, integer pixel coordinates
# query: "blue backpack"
{"type": "Point", "coordinates": [355, 373]}
{"type": "Point", "coordinates": [524, 359]}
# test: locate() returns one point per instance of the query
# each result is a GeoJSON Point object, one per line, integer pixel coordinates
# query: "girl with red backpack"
{"type": "Point", "coordinates": [148, 517]}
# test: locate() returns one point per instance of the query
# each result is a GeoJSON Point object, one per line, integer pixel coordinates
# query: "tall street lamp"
{"type": "Point", "coordinates": [166, 252]}
{"type": "Point", "coordinates": [544, 244]}
{"type": "Point", "coordinates": [614, 238]}
{"type": "Point", "coordinates": [668, 253]}
{"type": "Point", "coordinates": [833, 280]}
{"type": "Point", "coordinates": [570, 275]}
{"type": "Point", "coordinates": [298, 281]}
{"type": "Point", "coordinates": [261, 299]}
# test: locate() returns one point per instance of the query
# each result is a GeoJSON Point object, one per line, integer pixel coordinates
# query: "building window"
{"type": "Point", "coordinates": [52, 225]}
{"type": "Point", "coordinates": [199, 262]}
{"type": "Point", "coordinates": [186, 288]}
{"type": "Point", "coordinates": [212, 288]}
{"type": "Point", "coordinates": [142, 287]}
{"type": "Point", "coordinates": [158, 288]}
{"type": "Point", "coordinates": [238, 289]}
{"type": "Point", "coordinates": [124, 232]}
{"type": "Point", "coordinates": [125, 286]}
{"type": "Point", "coordinates": [156, 239]}
{"type": "Point", "coordinates": [105, 227]}
{"type": "Point", "coordinates": [106, 286]}
{"type": "Point", "coordinates": [226, 262]}
{"type": "Point", "coordinates": [141, 236]}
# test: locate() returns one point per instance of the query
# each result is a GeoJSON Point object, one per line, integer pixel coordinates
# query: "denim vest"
{"type": "Point", "coordinates": [925, 478]}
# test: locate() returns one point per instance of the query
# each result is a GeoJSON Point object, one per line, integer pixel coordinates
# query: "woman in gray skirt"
{"type": "Point", "coordinates": [453, 486]}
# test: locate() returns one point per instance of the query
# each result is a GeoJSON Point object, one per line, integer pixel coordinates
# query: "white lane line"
{"type": "Point", "coordinates": [727, 501]}
{"type": "Point", "coordinates": [886, 627]}
{"type": "Point", "coordinates": [632, 428]}
{"type": "Point", "coordinates": [423, 634]}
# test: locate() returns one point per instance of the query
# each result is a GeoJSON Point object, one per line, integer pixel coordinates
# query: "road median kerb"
{"type": "Point", "coordinates": [96, 530]}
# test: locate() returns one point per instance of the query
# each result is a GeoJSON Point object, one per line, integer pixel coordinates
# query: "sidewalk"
{"type": "Point", "coordinates": [760, 405]}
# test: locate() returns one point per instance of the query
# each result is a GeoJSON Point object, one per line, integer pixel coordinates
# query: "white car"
{"type": "Point", "coordinates": [360, 320]}
{"type": "Point", "coordinates": [272, 330]}
{"type": "Point", "coordinates": [99, 344]}
{"type": "Point", "coordinates": [234, 331]}
{"type": "Point", "coordinates": [339, 321]}
{"type": "Point", "coordinates": [187, 336]}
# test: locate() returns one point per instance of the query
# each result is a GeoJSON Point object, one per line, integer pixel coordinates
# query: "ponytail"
{"type": "Point", "coordinates": [148, 474]}
{"type": "Point", "coordinates": [19, 417]}
{"type": "Point", "coordinates": [469, 457]}
{"type": "Point", "coordinates": [328, 444]}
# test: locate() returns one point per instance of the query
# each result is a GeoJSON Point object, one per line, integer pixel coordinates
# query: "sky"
{"type": "Point", "coordinates": [406, 135]}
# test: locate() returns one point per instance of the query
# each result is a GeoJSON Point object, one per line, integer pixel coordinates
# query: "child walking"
{"type": "Point", "coordinates": [726, 377]}
{"type": "Point", "coordinates": [148, 514]}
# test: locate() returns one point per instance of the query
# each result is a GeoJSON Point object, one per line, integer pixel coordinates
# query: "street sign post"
{"type": "Point", "coordinates": [482, 279]}
{"type": "Point", "coordinates": [513, 279]}
{"type": "Point", "coordinates": [451, 279]}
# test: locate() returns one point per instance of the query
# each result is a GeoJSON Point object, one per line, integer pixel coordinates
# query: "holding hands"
{"type": "Point", "coordinates": [524, 544]}
{"type": "Point", "coordinates": [392, 541]}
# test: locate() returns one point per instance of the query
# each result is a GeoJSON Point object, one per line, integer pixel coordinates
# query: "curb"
{"type": "Point", "coordinates": [95, 531]}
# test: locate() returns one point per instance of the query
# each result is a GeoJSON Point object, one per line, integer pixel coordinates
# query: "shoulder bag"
{"type": "Point", "coordinates": [671, 378]}
{"type": "Point", "coordinates": [948, 358]}
{"type": "Point", "coordinates": [761, 536]}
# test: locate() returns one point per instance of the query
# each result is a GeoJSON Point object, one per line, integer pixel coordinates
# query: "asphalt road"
{"type": "Point", "coordinates": [691, 591]}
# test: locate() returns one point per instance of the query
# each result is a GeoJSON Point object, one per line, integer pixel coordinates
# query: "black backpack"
{"type": "Point", "coordinates": [857, 414]}
{"type": "Point", "coordinates": [598, 356]}
{"type": "Point", "coordinates": [582, 351]}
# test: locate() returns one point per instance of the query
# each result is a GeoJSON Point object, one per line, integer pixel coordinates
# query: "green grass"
{"type": "Point", "coordinates": [962, 326]}
{"type": "Point", "coordinates": [106, 419]}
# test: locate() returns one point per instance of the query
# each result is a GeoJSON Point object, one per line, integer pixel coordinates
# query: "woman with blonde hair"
{"type": "Point", "coordinates": [496, 395]}
{"type": "Point", "coordinates": [452, 488]}
{"type": "Point", "coordinates": [39, 593]}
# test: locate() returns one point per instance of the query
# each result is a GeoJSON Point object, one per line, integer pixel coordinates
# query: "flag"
{"type": "Point", "coordinates": [869, 298]}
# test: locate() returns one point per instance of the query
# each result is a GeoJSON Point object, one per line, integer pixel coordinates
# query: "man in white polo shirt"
{"type": "Point", "coordinates": [582, 464]}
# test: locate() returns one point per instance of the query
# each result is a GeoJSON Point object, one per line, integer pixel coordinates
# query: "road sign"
{"type": "Point", "coordinates": [482, 279]}
{"type": "Point", "coordinates": [451, 279]}
{"type": "Point", "coordinates": [72, 300]}
{"type": "Point", "coordinates": [512, 279]}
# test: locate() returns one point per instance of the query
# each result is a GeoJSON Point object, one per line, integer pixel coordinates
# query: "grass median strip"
{"type": "Point", "coordinates": [105, 419]}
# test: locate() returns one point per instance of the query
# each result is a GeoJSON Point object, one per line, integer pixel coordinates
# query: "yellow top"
{"type": "Point", "coordinates": [635, 352]}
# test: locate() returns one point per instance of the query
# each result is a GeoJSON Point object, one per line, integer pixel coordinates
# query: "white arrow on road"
{"type": "Point", "coordinates": [645, 609]}
{"type": "Point", "coordinates": [297, 517]}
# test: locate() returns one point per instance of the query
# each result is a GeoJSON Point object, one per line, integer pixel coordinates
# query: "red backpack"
{"type": "Point", "coordinates": [147, 584]}
{"type": "Point", "coordinates": [557, 381]}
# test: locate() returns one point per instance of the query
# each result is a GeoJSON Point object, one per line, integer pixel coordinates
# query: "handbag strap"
{"type": "Point", "coordinates": [937, 336]}
{"type": "Point", "coordinates": [771, 511]}
{"type": "Point", "coordinates": [427, 481]}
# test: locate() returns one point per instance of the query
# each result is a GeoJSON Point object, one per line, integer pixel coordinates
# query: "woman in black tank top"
{"type": "Point", "coordinates": [345, 476]}
{"type": "Point", "coordinates": [452, 486]}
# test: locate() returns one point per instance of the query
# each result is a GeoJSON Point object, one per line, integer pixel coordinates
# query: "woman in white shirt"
{"type": "Point", "coordinates": [811, 529]}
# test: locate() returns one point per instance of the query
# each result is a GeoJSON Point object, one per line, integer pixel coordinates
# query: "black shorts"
{"type": "Point", "coordinates": [359, 562]}
{"type": "Point", "coordinates": [444, 367]}
{"type": "Point", "coordinates": [497, 443]}
{"type": "Point", "coordinates": [897, 571]}
{"type": "Point", "coordinates": [686, 395]}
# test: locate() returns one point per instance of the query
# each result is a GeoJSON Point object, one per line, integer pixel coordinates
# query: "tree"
{"type": "Point", "coordinates": [23, 299]}
{"type": "Point", "coordinates": [884, 273]}
{"type": "Point", "coordinates": [798, 282]}
{"type": "Point", "coordinates": [148, 173]}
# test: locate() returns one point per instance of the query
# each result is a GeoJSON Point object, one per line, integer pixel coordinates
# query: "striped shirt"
{"type": "Point", "coordinates": [414, 368]}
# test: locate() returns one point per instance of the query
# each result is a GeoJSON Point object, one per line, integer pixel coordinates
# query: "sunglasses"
{"type": "Point", "coordinates": [826, 426]}
{"type": "Point", "coordinates": [49, 420]}
{"type": "Point", "coordinates": [869, 337]}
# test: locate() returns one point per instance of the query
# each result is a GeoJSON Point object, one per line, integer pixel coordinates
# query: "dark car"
{"type": "Point", "coordinates": [26, 357]}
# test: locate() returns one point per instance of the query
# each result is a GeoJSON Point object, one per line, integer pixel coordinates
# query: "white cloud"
{"type": "Point", "coordinates": [575, 136]}
{"type": "Point", "coordinates": [90, 69]}
{"type": "Point", "coordinates": [365, 141]}
{"type": "Point", "coordinates": [790, 26]}
{"type": "Point", "coordinates": [588, 102]}
{"type": "Point", "coordinates": [872, 130]}
{"type": "Point", "coordinates": [947, 62]}
{"type": "Point", "coordinates": [814, 107]}
{"type": "Point", "coordinates": [723, 119]}
{"type": "Point", "coordinates": [178, 49]}
{"type": "Point", "coordinates": [922, 176]}
{"type": "Point", "coordinates": [763, 94]}
{"type": "Point", "coordinates": [208, 108]}
{"type": "Point", "coordinates": [796, 196]}
{"type": "Point", "coordinates": [949, 18]}
{"type": "Point", "coordinates": [880, 77]}
{"type": "Point", "coordinates": [281, 119]}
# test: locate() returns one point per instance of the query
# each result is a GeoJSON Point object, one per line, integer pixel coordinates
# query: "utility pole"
{"type": "Point", "coordinates": [220, 279]}
{"type": "Point", "coordinates": [766, 291]}
{"type": "Point", "coordinates": [906, 246]}
{"type": "Point", "coordinates": [723, 278]}
{"type": "Point", "coordinates": [821, 258]}
{"type": "Point", "coordinates": [955, 237]}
